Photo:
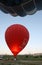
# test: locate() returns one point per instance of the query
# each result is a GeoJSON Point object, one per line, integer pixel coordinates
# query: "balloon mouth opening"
{"type": "Point", "coordinates": [15, 50]}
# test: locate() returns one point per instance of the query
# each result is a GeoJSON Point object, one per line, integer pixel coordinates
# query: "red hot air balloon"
{"type": "Point", "coordinates": [16, 37]}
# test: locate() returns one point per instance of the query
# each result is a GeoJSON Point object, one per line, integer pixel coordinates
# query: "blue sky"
{"type": "Point", "coordinates": [32, 22]}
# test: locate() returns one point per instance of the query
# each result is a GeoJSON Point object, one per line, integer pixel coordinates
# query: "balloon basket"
{"type": "Point", "coordinates": [15, 59]}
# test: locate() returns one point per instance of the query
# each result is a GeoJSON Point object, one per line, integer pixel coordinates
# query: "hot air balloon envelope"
{"type": "Point", "coordinates": [16, 37]}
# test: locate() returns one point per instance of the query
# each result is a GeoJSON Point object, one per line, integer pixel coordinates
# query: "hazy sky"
{"type": "Point", "coordinates": [32, 22]}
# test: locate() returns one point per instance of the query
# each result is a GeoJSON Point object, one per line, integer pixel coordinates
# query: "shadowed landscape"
{"type": "Point", "coordinates": [35, 59]}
